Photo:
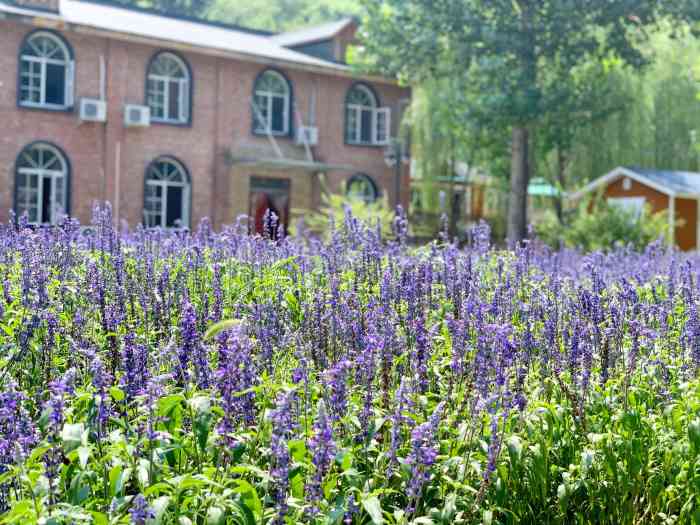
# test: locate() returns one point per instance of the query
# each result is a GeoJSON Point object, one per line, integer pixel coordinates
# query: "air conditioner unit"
{"type": "Point", "coordinates": [307, 135]}
{"type": "Point", "coordinates": [92, 110]}
{"type": "Point", "coordinates": [137, 116]}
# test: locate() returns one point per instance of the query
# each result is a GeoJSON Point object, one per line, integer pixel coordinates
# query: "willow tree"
{"type": "Point", "coordinates": [519, 54]}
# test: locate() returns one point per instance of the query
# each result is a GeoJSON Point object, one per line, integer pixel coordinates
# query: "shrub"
{"type": "Point", "coordinates": [598, 225]}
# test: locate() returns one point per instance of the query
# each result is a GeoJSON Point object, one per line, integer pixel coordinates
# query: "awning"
{"type": "Point", "coordinates": [286, 164]}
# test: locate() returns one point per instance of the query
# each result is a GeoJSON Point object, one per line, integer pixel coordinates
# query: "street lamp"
{"type": "Point", "coordinates": [396, 154]}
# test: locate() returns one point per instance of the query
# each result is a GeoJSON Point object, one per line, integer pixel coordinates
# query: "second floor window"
{"type": "Point", "coordinates": [272, 104]}
{"type": "Point", "coordinates": [366, 123]}
{"type": "Point", "coordinates": [168, 90]}
{"type": "Point", "coordinates": [46, 72]}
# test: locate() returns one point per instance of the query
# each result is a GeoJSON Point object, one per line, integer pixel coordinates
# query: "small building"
{"type": "Point", "coordinates": [675, 191]}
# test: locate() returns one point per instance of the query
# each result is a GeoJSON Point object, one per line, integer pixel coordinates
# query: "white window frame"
{"type": "Point", "coordinates": [41, 173]}
{"type": "Point", "coordinates": [67, 62]}
{"type": "Point", "coordinates": [633, 204]}
{"type": "Point", "coordinates": [269, 97]}
{"type": "Point", "coordinates": [162, 90]}
{"type": "Point", "coordinates": [380, 134]}
{"type": "Point", "coordinates": [164, 184]}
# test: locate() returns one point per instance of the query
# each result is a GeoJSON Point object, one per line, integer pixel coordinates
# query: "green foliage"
{"type": "Point", "coordinates": [281, 15]}
{"type": "Point", "coordinates": [518, 57]}
{"type": "Point", "coordinates": [659, 126]}
{"type": "Point", "coordinates": [597, 225]}
{"type": "Point", "coordinates": [193, 8]}
{"type": "Point", "coordinates": [336, 207]}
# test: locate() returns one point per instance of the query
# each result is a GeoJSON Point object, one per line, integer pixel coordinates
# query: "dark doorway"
{"type": "Point", "coordinates": [269, 194]}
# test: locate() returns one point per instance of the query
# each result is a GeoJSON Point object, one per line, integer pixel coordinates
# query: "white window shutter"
{"type": "Point", "coordinates": [382, 126]}
{"type": "Point", "coordinates": [184, 102]}
{"type": "Point", "coordinates": [70, 84]}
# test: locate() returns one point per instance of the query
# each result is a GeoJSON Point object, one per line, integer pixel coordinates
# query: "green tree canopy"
{"type": "Point", "coordinates": [519, 55]}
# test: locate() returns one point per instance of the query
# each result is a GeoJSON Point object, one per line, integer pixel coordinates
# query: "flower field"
{"type": "Point", "coordinates": [154, 377]}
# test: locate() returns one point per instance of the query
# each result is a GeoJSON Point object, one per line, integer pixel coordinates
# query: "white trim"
{"type": "Point", "coordinates": [672, 219]}
{"type": "Point", "coordinates": [161, 85]}
{"type": "Point", "coordinates": [66, 63]}
{"type": "Point", "coordinates": [623, 172]}
{"type": "Point", "coordinates": [41, 19]}
{"type": "Point", "coordinates": [55, 177]}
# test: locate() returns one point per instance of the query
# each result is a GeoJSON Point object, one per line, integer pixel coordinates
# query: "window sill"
{"type": "Point", "coordinates": [276, 134]}
{"type": "Point", "coordinates": [365, 145]}
{"type": "Point", "coordinates": [45, 107]}
{"type": "Point", "coordinates": [174, 123]}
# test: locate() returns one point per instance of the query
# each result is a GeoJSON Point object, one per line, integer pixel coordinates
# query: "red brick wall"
{"type": "Point", "coordinates": [221, 122]}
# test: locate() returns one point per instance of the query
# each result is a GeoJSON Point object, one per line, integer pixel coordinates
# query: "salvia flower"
{"type": "Point", "coordinates": [140, 512]}
{"type": "Point", "coordinates": [424, 452]}
{"type": "Point", "coordinates": [323, 450]}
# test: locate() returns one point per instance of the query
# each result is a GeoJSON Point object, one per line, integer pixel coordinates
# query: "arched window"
{"type": "Point", "coordinates": [46, 72]}
{"type": "Point", "coordinates": [365, 122]}
{"type": "Point", "coordinates": [168, 89]}
{"type": "Point", "coordinates": [41, 183]}
{"type": "Point", "coordinates": [272, 100]}
{"type": "Point", "coordinates": [167, 194]}
{"type": "Point", "coordinates": [361, 186]}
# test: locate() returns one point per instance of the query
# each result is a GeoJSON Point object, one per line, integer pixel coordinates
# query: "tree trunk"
{"type": "Point", "coordinates": [519, 178]}
{"type": "Point", "coordinates": [561, 179]}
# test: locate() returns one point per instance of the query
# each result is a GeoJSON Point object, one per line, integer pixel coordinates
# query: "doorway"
{"type": "Point", "coordinates": [269, 194]}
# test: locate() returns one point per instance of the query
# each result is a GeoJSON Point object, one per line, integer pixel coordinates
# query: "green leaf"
{"type": "Point", "coordinates": [72, 436]}
{"type": "Point", "coordinates": [374, 509]}
{"type": "Point", "coordinates": [84, 456]}
{"type": "Point", "coordinates": [216, 516]}
{"type": "Point", "coordinates": [297, 448]}
{"type": "Point", "coordinates": [219, 327]}
{"type": "Point", "coordinates": [117, 394]}
{"type": "Point", "coordinates": [249, 497]}
{"type": "Point", "coordinates": [99, 518]}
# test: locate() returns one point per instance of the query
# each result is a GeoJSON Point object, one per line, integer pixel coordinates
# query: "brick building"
{"type": "Point", "coordinates": [173, 119]}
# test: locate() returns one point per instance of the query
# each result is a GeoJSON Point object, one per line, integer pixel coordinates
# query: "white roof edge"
{"type": "Point", "coordinates": [312, 34]}
{"type": "Point", "coordinates": [55, 20]}
{"type": "Point", "coordinates": [621, 171]}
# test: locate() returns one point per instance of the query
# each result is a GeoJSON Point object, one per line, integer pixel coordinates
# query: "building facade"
{"type": "Point", "coordinates": [173, 120]}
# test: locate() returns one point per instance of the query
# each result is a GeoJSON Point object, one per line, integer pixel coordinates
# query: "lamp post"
{"type": "Point", "coordinates": [395, 155]}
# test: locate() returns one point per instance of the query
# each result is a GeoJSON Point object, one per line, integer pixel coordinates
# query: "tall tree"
{"type": "Point", "coordinates": [519, 53]}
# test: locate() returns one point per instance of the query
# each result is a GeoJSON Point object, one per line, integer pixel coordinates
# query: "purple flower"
{"type": "Point", "coordinates": [323, 450]}
{"type": "Point", "coordinates": [192, 350]}
{"type": "Point", "coordinates": [17, 434]}
{"type": "Point", "coordinates": [283, 426]}
{"type": "Point", "coordinates": [403, 404]}
{"type": "Point", "coordinates": [234, 378]}
{"type": "Point", "coordinates": [423, 454]}
{"type": "Point", "coordinates": [134, 361]}
{"type": "Point", "coordinates": [140, 512]}
{"type": "Point", "coordinates": [335, 381]}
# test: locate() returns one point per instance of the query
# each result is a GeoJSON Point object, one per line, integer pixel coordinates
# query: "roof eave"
{"type": "Point", "coordinates": [622, 172]}
{"type": "Point", "coordinates": [55, 21]}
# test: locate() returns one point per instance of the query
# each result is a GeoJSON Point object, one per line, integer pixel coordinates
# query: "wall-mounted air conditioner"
{"type": "Point", "coordinates": [93, 110]}
{"type": "Point", "coordinates": [137, 116]}
{"type": "Point", "coordinates": [307, 135]}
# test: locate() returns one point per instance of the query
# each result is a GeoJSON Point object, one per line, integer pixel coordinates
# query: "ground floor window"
{"type": "Point", "coordinates": [361, 186]}
{"type": "Point", "coordinates": [167, 194]}
{"type": "Point", "coordinates": [41, 184]}
{"type": "Point", "coordinates": [269, 198]}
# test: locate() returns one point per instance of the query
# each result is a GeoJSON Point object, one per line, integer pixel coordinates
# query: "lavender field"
{"type": "Point", "coordinates": [153, 377]}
